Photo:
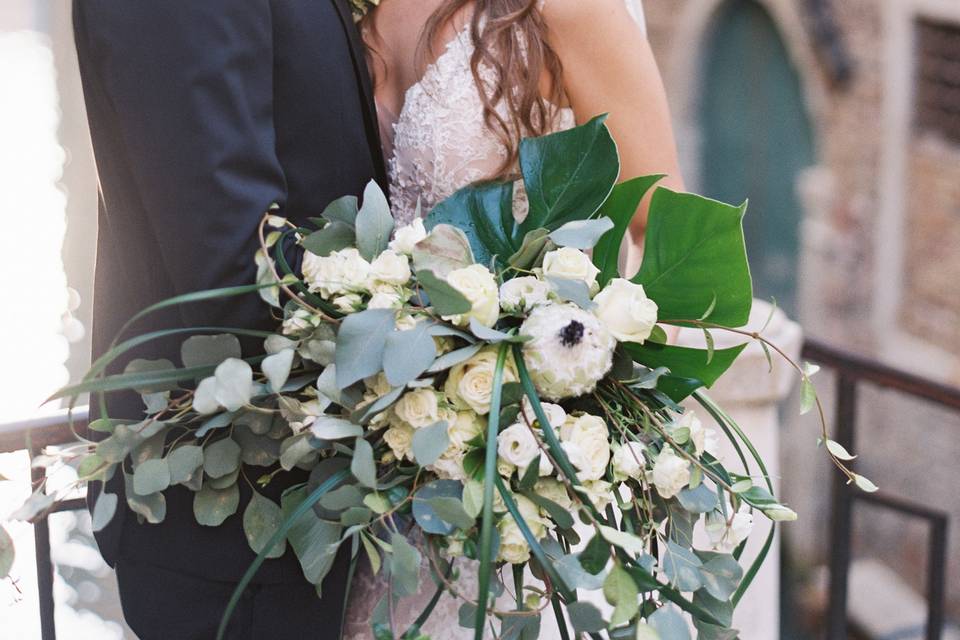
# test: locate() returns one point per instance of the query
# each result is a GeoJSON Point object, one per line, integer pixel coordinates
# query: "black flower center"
{"type": "Point", "coordinates": [572, 334]}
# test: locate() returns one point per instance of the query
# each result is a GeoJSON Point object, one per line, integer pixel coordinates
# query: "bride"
{"type": "Point", "coordinates": [458, 83]}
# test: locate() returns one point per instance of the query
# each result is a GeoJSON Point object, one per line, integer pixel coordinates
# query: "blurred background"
{"type": "Point", "coordinates": [839, 119]}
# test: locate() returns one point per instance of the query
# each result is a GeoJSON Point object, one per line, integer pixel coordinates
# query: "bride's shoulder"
{"type": "Point", "coordinates": [560, 13]}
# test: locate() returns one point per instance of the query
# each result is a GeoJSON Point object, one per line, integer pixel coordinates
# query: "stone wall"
{"type": "Point", "coordinates": [853, 237]}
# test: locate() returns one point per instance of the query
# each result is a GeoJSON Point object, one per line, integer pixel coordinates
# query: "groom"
{"type": "Point", "coordinates": [203, 113]}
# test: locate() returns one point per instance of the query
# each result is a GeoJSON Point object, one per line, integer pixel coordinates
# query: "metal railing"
{"type": "Point", "coordinates": [34, 435]}
{"type": "Point", "coordinates": [852, 371]}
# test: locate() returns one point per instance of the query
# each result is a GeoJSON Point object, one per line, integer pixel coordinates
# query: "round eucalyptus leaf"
{"type": "Point", "coordinates": [205, 351]}
{"type": "Point", "coordinates": [261, 519]}
{"type": "Point", "coordinates": [184, 462]}
{"type": "Point", "coordinates": [147, 366]}
{"type": "Point", "coordinates": [103, 510]}
{"type": "Point", "coordinates": [277, 368]}
{"type": "Point", "coordinates": [212, 506]}
{"type": "Point", "coordinates": [234, 381]}
{"type": "Point", "coordinates": [151, 476]}
{"type": "Point", "coordinates": [221, 458]}
{"type": "Point", "coordinates": [425, 513]}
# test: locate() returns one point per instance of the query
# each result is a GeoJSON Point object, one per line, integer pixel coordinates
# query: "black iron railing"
{"type": "Point", "coordinates": [852, 371]}
{"type": "Point", "coordinates": [34, 435]}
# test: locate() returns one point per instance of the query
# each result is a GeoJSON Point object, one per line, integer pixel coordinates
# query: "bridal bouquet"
{"type": "Point", "coordinates": [474, 388]}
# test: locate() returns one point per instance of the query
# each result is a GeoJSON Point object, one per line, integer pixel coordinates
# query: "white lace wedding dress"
{"type": "Point", "coordinates": [437, 144]}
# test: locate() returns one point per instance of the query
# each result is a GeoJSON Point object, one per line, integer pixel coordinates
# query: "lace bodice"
{"type": "Point", "coordinates": [439, 142]}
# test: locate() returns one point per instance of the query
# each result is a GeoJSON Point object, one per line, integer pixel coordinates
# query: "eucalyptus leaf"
{"type": "Point", "coordinates": [620, 591]}
{"type": "Point", "coordinates": [585, 617]}
{"type": "Point", "coordinates": [699, 500]}
{"type": "Point", "coordinates": [261, 519]}
{"type": "Point", "coordinates": [361, 341]}
{"type": "Point", "coordinates": [152, 508]}
{"type": "Point", "coordinates": [582, 234]}
{"type": "Point", "coordinates": [681, 567]}
{"type": "Point", "coordinates": [330, 428]}
{"type": "Point", "coordinates": [234, 380]}
{"type": "Point", "coordinates": [221, 458]}
{"type": "Point", "coordinates": [374, 222]}
{"type": "Point", "coordinates": [408, 353]}
{"type": "Point", "coordinates": [423, 511]}
{"type": "Point", "coordinates": [429, 443]}
{"type": "Point", "coordinates": [720, 573]}
{"type": "Point", "coordinates": [141, 365]}
{"type": "Point", "coordinates": [536, 244]}
{"type": "Point", "coordinates": [202, 351]}
{"type": "Point", "coordinates": [103, 511]}
{"type": "Point", "coordinates": [444, 298]}
{"type": "Point", "coordinates": [404, 566]}
{"type": "Point", "coordinates": [575, 291]}
{"type": "Point", "coordinates": [574, 574]}
{"type": "Point", "coordinates": [342, 210]}
{"type": "Point", "coordinates": [333, 237]}
{"type": "Point", "coordinates": [314, 541]}
{"type": "Point", "coordinates": [38, 503]}
{"type": "Point", "coordinates": [211, 507]}
{"type": "Point", "coordinates": [445, 249]}
{"type": "Point", "coordinates": [629, 542]}
{"type": "Point", "coordinates": [669, 624]}
{"type": "Point", "coordinates": [184, 462]}
{"type": "Point", "coordinates": [151, 476]}
{"type": "Point", "coordinates": [362, 466]}
{"type": "Point", "coordinates": [277, 368]}
{"type": "Point", "coordinates": [453, 358]}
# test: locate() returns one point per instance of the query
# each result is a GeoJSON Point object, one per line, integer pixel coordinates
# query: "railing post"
{"type": "Point", "coordinates": [841, 512]}
{"type": "Point", "coordinates": [41, 536]}
{"type": "Point", "coordinates": [936, 578]}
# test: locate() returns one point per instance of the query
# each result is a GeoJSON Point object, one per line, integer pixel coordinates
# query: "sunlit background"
{"type": "Point", "coordinates": [839, 119]}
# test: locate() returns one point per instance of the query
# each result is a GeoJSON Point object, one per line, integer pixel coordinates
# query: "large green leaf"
{"type": "Point", "coordinates": [694, 254]}
{"type": "Point", "coordinates": [620, 207]}
{"type": "Point", "coordinates": [374, 223]}
{"type": "Point", "coordinates": [568, 174]}
{"type": "Point", "coordinates": [314, 541]}
{"type": "Point", "coordinates": [689, 368]}
{"type": "Point", "coordinates": [485, 213]}
{"type": "Point", "coordinates": [360, 344]}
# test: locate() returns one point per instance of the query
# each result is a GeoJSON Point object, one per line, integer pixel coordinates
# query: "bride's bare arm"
{"type": "Point", "coordinates": [608, 67]}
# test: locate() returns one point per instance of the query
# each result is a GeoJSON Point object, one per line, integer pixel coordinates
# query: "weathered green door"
{"type": "Point", "coordinates": [757, 139]}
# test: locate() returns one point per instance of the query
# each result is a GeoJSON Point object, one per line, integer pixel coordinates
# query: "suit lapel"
{"type": "Point", "coordinates": [358, 56]}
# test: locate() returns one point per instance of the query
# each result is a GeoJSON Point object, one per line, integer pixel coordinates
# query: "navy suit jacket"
{"type": "Point", "coordinates": [202, 114]}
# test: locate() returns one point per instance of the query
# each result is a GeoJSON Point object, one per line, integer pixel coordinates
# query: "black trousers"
{"type": "Point", "coordinates": [160, 604]}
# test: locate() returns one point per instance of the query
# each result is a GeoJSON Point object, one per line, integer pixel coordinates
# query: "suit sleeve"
{"type": "Point", "coordinates": [186, 91]}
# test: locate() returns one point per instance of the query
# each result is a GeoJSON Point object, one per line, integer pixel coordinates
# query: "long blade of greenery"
{"type": "Point", "coordinates": [717, 412]}
{"type": "Point", "coordinates": [489, 473]}
{"type": "Point", "coordinates": [561, 620]}
{"type": "Point", "coordinates": [140, 379]}
{"type": "Point", "coordinates": [535, 548]}
{"type": "Point", "coordinates": [549, 434]}
{"type": "Point", "coordinates": [104, 361]}
{"type": "Point", "coordinates": [281, 533]}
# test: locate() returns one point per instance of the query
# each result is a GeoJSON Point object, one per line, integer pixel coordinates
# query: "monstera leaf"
{"type": "Point", "coordinates": [620, 207]}
{"type": "Point", "coordinates": [485, 214]}
{"type": "Point", "coordinates": [695, 260]}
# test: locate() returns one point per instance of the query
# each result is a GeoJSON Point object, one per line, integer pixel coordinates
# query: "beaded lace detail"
{"type": "Point", "coordinates": [439, 142]}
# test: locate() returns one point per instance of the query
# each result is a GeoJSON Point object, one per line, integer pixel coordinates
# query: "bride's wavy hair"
{"type": "Point", "coordinates": [509, 39]}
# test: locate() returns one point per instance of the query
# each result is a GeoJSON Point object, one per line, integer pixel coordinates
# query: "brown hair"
{"type": "Point", "coordinates": [509, 38]}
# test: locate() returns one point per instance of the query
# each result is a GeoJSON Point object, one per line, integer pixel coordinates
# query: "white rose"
{"type": "Point", "coordinates": [478, 286]}
{"type": "Point", "coordinates": [575, 428]}
{"type": "Point", "coordinates": [390, 268]}
{"type": "Point", "coordinates": [518, 446]}
{"type": "Point", "coordinates": [599, 492]}
{"type": "Point", "coordinates": [625, 310]}
{"type": "Point", "coordinates": [628, 460]}
{"type": "Point", "coordinates": [449, 466]}
{"type": "Point", "coordinates": [400, 440]}
{"type": "Point", "coordinates": [341, 272]}
{"type": "Point", "coordinates": [506, 470]}
{"type": "Point", "coordinates": [378, 384]}
{"type": "Point", "coordinates": [554, 491]}
{"type": "Point", "coordinates": [513, 546]}
{"type": "Point", "coordinates": [418, 408]}
{"type": "Point", "coordinates": [554, 412]}
{"type": "Point", "coordinates": [586, 442]}
{"type": "Point", "coordinates": [522, 294]}
{"type": "Point", "coordinates": [671, 473]}
{"type": "Point", "coordinates": [470, 384]}
{"type": "Point", "coordinates": [724, 535]}
{"type": "Point", "coordinates": [385, 300]}
{"type": "Point", "coordinates": [299, 322]}
{"type": "Point", "coordinates": [704, 438]}
{"type": "Point", "coordinates": [406, 321]}
{"type": "Point", "coordinates": [405, 238]}
{"type": "Point", "coordinates": [347, 303]}
{"type": "Point", "coordinates": [463, 428]}
{"type": "Point", "coordinates": [573, 264]}
{"type": "Point", "coordinates": [530, 513]}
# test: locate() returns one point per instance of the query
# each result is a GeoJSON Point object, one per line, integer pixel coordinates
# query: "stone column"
{"type": "Point", "coordinates": [751, 394]}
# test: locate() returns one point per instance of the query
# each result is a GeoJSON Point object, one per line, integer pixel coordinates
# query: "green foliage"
{"type": "Point", "coordinates": [620, 207]}
{"type": "Point", "coordinates": [374, 222]}
{"type": "Point", "coordinates": [261, 520]}
{"type": "Point", "coordinates": [408, 353]}
{"type": "Point", "coordinates": [212, 506]}
{"type": "Point", "coordinates": [429, 443]}
{"type": "Point", "coordinates": [445, 249]}
{"type": "Point", "coordinates": [360, 344]}
{"type": "Point", "coordinates": [688, 367]}
{"type": "Point", "coordinates": [201, 351]}
{"type": "Point", "coordinates": [485, 213]}
{"type": "Point", "coordinates": [404, 566]}
{"type": "Point", "coordinates": [7, 553]}
{"type": "Point", "coordinates": [362, 465]}
{"type": "Point", "coordinates": [694, 253]}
